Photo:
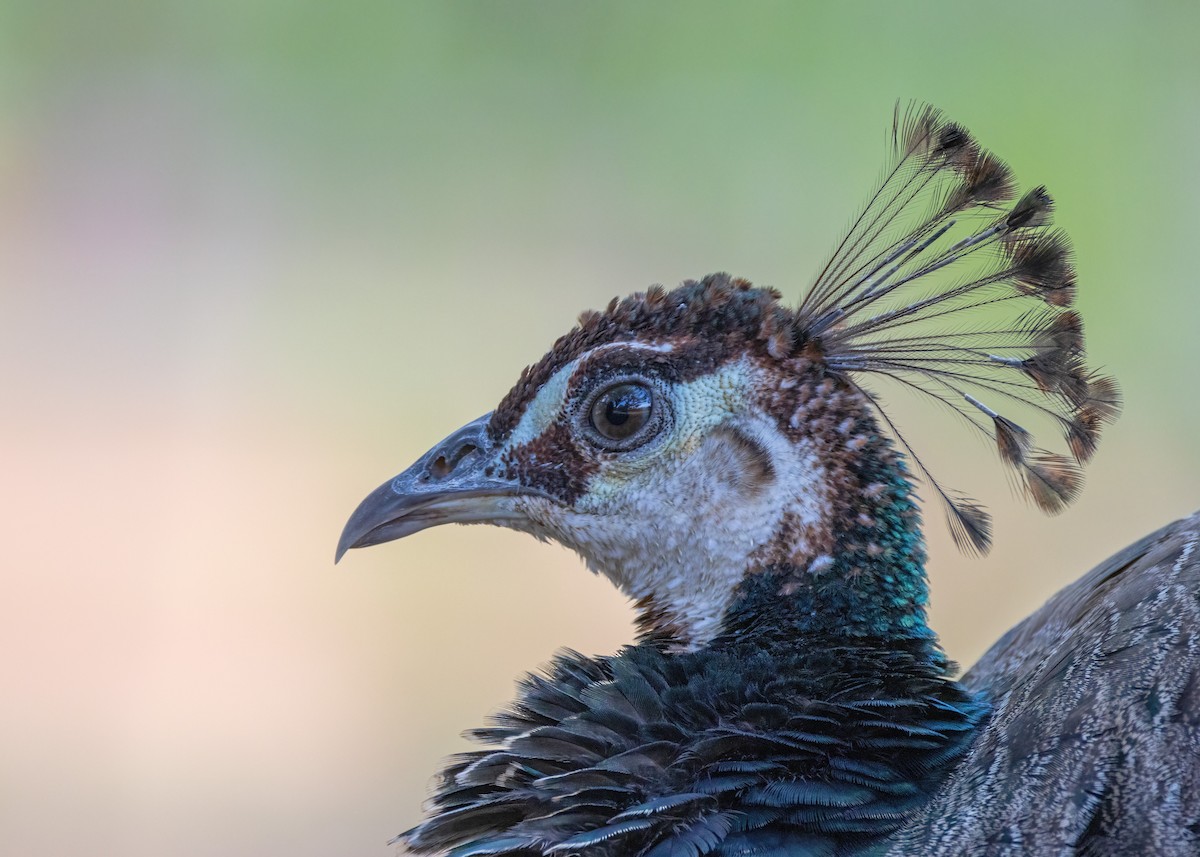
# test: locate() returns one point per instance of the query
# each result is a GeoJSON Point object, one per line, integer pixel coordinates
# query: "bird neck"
{"type": "Point", "coordinates": [819, 531]}
{"type": "Point", "coordinates": [860, 572]}
{"type": "Point", "coordinates": [871, 580]}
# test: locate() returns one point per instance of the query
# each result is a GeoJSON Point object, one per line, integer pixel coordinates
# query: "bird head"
{"type": "Point", "coordinates": [711, 449]}
{"type": "Point", "coordinates": [678, 442]}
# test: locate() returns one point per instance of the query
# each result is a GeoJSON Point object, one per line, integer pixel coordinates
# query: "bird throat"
{"type": "Point", "coordinates": [844, 555]}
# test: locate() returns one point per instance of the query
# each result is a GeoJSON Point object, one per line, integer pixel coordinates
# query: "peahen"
{"type": "Point", "coordinates": [725, 460]}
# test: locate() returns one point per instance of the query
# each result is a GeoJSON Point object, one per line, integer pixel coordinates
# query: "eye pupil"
{"type": "Point", "coordinates": [621, 411]}
{"type": "Point", "coordinates": [617, 413]}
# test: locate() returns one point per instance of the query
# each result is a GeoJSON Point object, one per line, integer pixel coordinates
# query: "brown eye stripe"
{"type": "Point", "coordinates": [552, 463]}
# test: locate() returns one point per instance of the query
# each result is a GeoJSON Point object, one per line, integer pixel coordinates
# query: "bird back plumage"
{"type": "Point", "coordinates": [1093, 744]}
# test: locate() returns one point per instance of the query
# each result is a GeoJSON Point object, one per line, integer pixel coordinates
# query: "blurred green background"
{"type": "Point", "coordinates": [256, 257]}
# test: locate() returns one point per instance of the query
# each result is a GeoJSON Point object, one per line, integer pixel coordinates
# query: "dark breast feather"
{"type": "Point", "coordinates": [742, 751]}
{"type": "Point", "coordinates": [1093, 745]}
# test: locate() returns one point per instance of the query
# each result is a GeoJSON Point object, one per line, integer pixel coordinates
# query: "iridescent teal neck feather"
{"type": "Point", "coordinates": [861, 572]}
{"type": "Point", "coordinates": [872, 583]}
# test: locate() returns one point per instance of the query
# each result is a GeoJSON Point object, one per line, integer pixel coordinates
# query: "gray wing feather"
{"type": "Point", "coordinates": [1093, 746]}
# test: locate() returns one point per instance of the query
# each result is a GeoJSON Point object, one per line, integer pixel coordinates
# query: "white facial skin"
{"type": "Point", "coordinates": [681, 518]}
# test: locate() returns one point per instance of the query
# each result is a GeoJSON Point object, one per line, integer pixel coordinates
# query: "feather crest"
{"type": "Point", "coordinates": [942, 286]}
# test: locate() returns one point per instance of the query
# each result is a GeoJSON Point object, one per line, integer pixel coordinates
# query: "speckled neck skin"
{"type": "Point", "coordinates": [871, 584]}
{"type": "Point", "coordinates": [678, 529]}
{"type": "Point", "coordinates": [863, 573]}
{"type": "Point", "coordinates": [777, 496]}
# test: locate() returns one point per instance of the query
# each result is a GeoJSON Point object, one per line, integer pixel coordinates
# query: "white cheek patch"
{"type": "Point", "coordinates": [682, 524]}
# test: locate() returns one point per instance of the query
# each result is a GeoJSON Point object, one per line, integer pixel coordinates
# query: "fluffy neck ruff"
{"type": "Point", "coordinates": [752, 745]}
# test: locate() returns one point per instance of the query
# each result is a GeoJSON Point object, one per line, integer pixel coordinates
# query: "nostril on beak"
{"type": "Point", "coordinates": [444, 465]}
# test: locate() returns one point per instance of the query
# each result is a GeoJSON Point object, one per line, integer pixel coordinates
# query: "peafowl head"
{"type": "Point", "coordinates": [723, 457]}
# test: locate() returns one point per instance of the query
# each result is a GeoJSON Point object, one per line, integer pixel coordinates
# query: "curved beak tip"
{"type": "Point", "coordinates": [427, 494]}
{"type": "Point", "coordinates": [345, 542]}
{"type": "Point", "coordinates": [375, 515]}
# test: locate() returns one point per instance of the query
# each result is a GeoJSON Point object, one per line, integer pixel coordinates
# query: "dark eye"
{"type": "Point", "coordinates": [621, 411]}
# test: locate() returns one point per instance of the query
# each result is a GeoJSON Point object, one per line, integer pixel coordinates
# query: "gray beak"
{"type": "Point", "coordinates": [450, 484]}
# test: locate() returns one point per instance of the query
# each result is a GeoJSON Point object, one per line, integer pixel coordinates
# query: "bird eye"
{"type": "Point", "coordinates": [620, 412]}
